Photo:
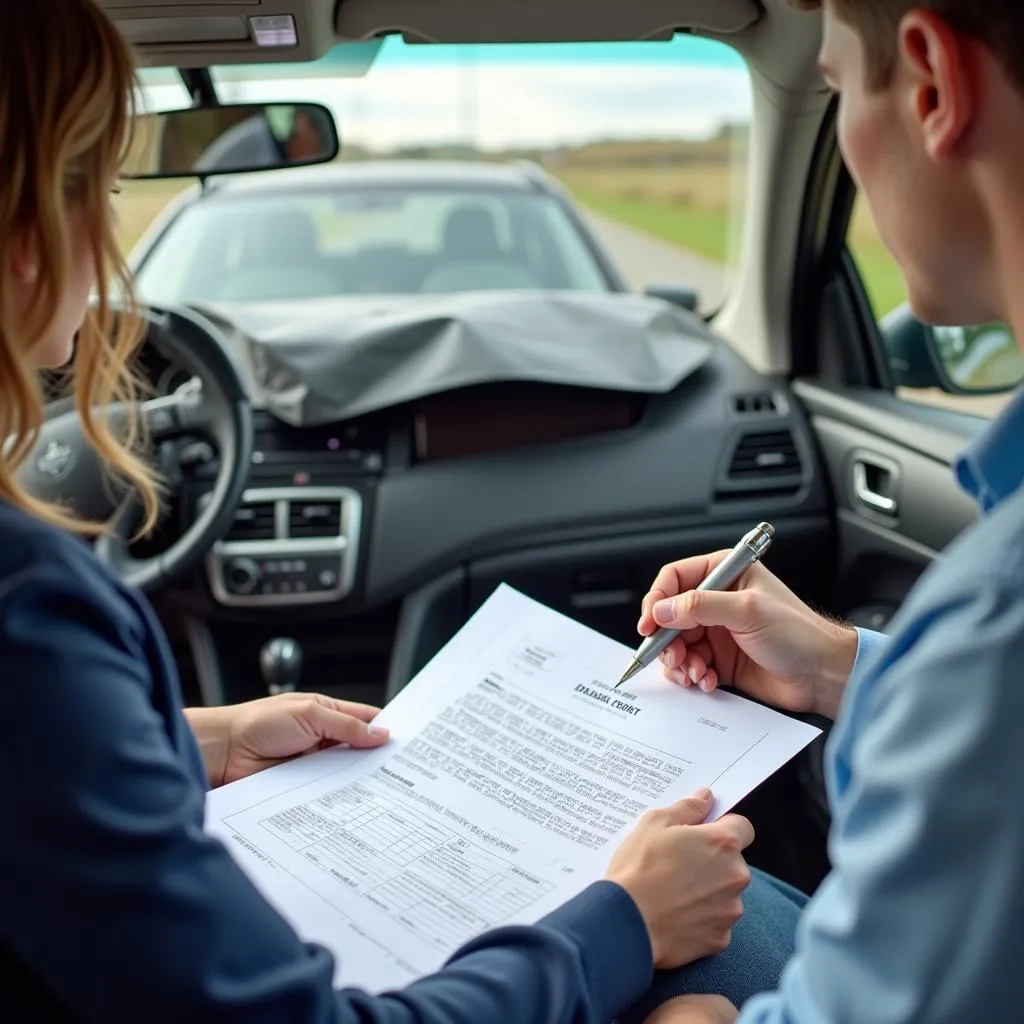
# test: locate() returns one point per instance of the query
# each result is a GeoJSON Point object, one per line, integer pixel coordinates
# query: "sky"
{"type": "Point", "coordinates": [509, 96]}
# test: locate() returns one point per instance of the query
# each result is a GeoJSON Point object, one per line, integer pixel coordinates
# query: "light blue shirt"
{"type": "Point", "coordinates": [922, 917]}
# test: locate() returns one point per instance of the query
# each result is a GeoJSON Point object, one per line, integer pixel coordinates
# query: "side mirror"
{"type": "Point", "coordinates": [232, 139]}
{"type": "Point", "coordinates": [982, 360]}
{"type": "Point", "coordinates": [685, 298]}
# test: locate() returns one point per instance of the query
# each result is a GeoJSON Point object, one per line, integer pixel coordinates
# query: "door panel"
{"type": "Point", "coordinates": [897, 502]}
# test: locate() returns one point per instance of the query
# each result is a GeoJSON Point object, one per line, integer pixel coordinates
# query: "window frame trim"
{"type": "Point", "coordinates": [830, 299]}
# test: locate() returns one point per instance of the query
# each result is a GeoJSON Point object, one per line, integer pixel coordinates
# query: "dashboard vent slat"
{"type": "Point", "coordinates": [761, 456]}
{"type": "Point", "coordinates": [252, 522]}
{"type": "Point", "coordinates": [755, 402]}
{"type": "Point", "coordinates": [314, 519]}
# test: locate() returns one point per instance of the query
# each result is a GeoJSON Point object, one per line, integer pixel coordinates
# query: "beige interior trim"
{"type": "Point", "coordinates": [790, 103]}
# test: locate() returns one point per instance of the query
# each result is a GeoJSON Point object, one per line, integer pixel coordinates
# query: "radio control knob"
{"type": "Point", "coordinates": [242, 575]}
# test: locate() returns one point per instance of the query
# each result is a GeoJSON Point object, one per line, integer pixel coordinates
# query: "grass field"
{"type": "Point", "coordinates": [700, 230]}
{"type": "Point", "coordinates": [693, 207]}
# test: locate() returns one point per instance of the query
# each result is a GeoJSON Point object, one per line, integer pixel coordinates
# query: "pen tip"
{"type": "Point", "coordinates": [634, 667]}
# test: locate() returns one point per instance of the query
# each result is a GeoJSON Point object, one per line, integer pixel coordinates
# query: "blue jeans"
{"type": "Point", "coordinates": [762, 942]}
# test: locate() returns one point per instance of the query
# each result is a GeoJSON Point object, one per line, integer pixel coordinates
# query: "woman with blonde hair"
{"type": "Point", "coordinates": [114, 903]}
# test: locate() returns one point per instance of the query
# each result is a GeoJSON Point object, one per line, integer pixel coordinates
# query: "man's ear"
{"type": "Point", "coordinates": [941, 66]}
{"type": "Point", "coordinates": [24, 256]}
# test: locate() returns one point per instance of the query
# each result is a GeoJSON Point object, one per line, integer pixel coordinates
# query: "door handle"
{"type": "Point", "coordinates": [869, 486]}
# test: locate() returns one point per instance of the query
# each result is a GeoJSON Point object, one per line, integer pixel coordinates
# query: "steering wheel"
{"type": "Point", "coordinates": [64, 467]}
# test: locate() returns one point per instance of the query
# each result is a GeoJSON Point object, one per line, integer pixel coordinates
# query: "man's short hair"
{"type": "Point", "coordinates": [997, 24]}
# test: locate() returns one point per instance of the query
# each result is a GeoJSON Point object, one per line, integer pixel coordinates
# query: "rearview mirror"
{"type": "Point", "coordinates": [981, 360]}
{"type": "Point", "coordinates": [232, 139]}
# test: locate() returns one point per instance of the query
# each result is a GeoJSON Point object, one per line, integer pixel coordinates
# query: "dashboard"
{"type": "Point", "coordinates": [370, 541]}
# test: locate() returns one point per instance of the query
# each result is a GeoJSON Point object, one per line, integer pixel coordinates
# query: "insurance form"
{"type": "Point", "coordinates": [513, 772]}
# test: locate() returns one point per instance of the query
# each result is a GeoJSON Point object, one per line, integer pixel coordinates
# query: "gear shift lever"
{"type": "Point", "coordinates": [281, 665]}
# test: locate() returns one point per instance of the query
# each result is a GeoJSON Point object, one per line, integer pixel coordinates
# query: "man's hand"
{"type": "Point", "coordinates": [242, 739]}
{"type": "Point", "coordinates": [686, 878]}
{"type": "Point", "coordinates": [759, 637]}
{"type": "Point", "coordinates": [694, 1010]}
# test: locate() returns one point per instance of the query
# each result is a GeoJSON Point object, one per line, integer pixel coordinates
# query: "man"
{"type": "Point", "coordinates": [921, 917]}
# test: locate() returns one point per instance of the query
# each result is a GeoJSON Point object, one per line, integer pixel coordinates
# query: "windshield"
{"type": "Point", "coordinates": [367, 241]}
{"type": "Point", "coordinates": [648, 138]}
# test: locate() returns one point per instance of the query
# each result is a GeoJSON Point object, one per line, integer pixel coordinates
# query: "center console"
{"type": "Point", "coordinates": [296, 536]}
{"type": "Point", "coordinates": [289, 546]}
{"type": "Point", "coordinates": [279, 603]}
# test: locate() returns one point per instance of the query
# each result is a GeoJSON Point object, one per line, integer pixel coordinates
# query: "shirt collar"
{"type": "Point", "coordinates": [992, 467]}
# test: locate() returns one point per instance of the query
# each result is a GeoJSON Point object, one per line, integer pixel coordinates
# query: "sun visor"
{"type": "Point", "coordinates": [529, 21]}
{"type": "Point", "coordinates": [324, 360]}
{"type": "Point", "coordinates": [206, 33]}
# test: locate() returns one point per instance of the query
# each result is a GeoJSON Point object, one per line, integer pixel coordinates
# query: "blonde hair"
{"type": "Point", "coordinates": [67, 95]}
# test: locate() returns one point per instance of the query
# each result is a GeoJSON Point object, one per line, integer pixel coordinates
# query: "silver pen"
{"type": "Point", "coordinates": [749, 550]}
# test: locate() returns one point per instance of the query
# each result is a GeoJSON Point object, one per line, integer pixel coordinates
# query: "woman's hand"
{"type": "Point", "coordinates": [694, 1010]}
{"type": "Point", "coordinates": [686, 878]}
{"type": "Point", "coordinates": [759, 637]}
{"type": "Point", "coordinates": [242, 739]}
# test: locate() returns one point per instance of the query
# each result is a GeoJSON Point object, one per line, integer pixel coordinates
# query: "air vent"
{"type": "Point", "coordinates": [755, 402]}
{"type": "Point", "coordinates": [314, 519]}
{"type": "Point", "coordinates": [764, 456]}
{"type": "Point", "coordinates": [253, 522]}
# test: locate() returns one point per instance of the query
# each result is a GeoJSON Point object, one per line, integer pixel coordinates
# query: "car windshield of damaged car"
{"type": "Point", "coordinates": [577, 166]}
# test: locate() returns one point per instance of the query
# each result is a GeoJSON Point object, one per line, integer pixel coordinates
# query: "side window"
{"type": "Point", "coordinates": [967, 369]}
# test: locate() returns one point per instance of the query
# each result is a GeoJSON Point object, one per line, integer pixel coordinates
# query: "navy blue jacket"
{"type": "Point", "coordinates": [115, 906]}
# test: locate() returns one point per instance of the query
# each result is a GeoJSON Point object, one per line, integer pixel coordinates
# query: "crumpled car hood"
{"type": "Point", "coordinates": [320, 361]}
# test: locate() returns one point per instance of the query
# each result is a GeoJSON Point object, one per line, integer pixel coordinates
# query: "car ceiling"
{"type": "Point", "coordinates": [200, 33]}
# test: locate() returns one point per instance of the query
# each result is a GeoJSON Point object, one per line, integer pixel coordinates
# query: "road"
{"type": "Point", "coordinates": [644, 260]}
